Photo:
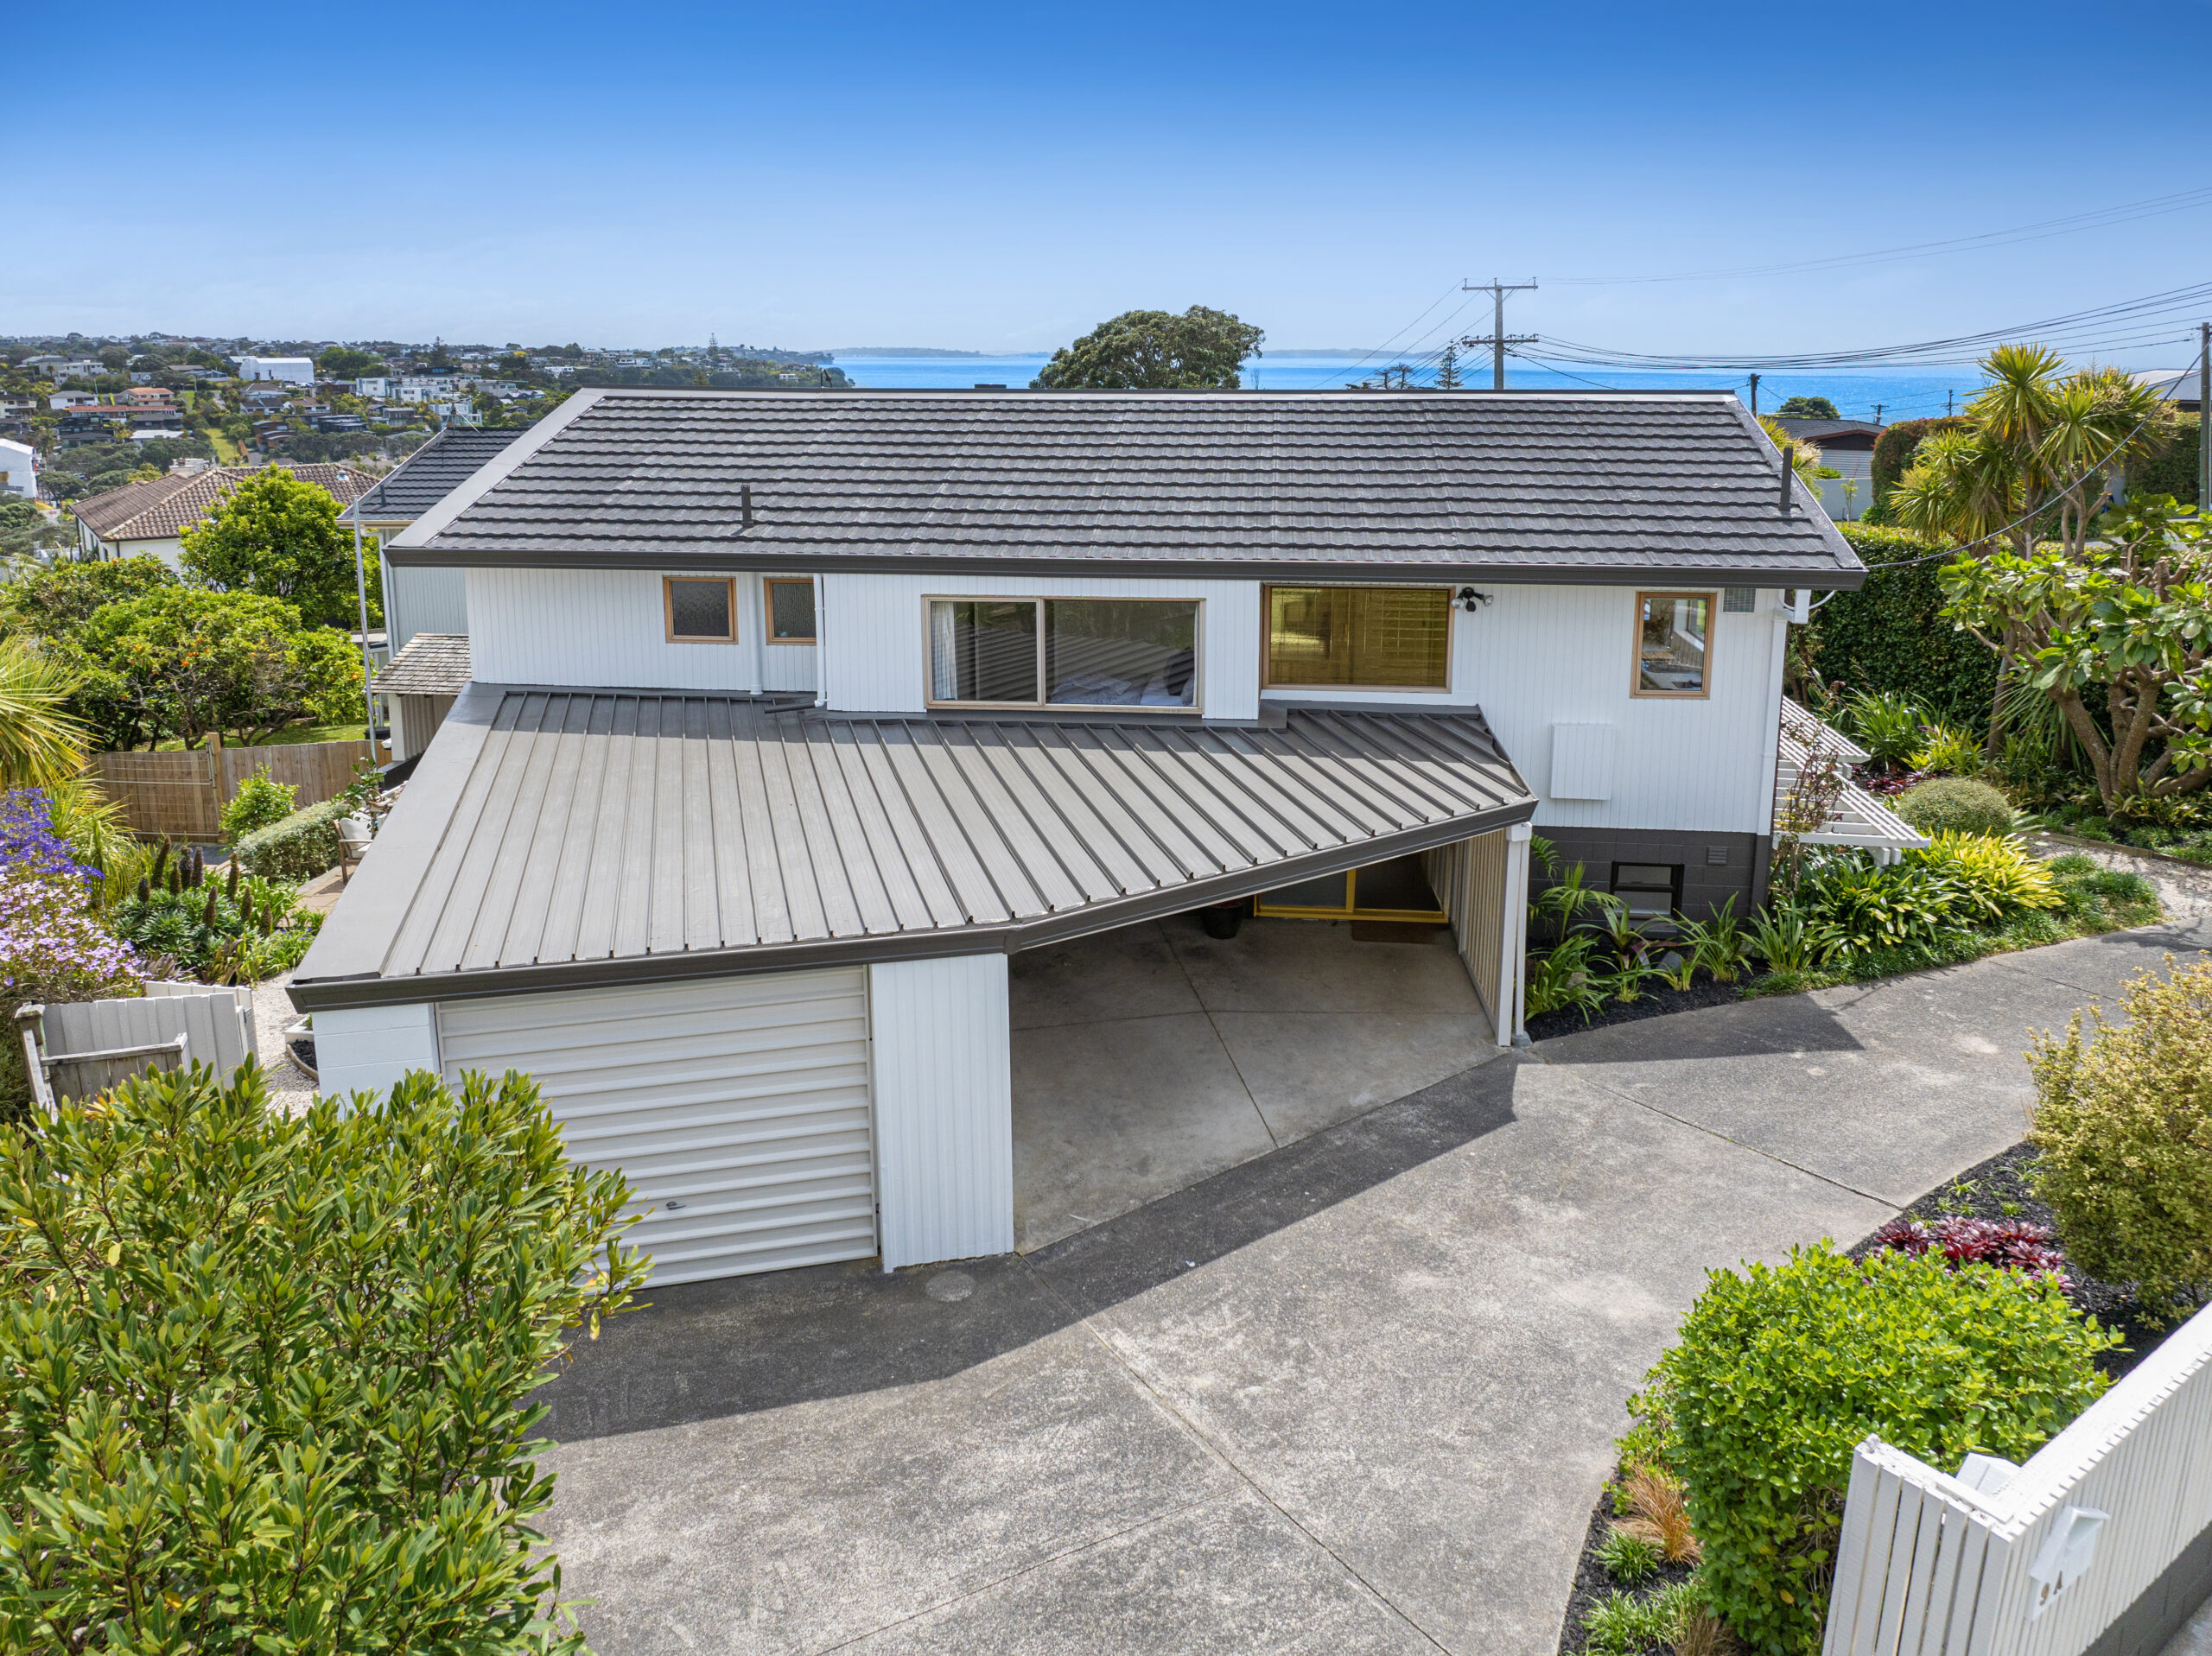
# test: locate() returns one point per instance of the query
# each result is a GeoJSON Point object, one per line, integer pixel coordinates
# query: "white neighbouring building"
{"type": "Point", "coordinates": [790, 719]}
{"type": "Point", "coordinates": [290, 370]}
{"type": "Point", "coordinates": [18, 469]}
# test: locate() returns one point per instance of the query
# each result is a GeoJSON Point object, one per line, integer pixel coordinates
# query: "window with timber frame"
{"type": "Point", "coordinates": [1064, 652]}
{"type": "Point", "coordinates": [1359, 637]}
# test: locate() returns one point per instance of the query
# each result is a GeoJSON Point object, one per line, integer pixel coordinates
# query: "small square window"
{"type": "Point", "coordinates": [791, 611]}
{"type": "Point", "coordinates": [1652, 891]}
{"type": "Point", "coordinates": [1674, 644]}
{"type": "Point", "coordinates": [701, 611]}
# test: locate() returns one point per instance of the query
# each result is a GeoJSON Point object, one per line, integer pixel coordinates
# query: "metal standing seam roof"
{"type": "Point", "coordinates": [557, 839]}
{"type": "Point", "coordinates": [1514, 485]}
{"type": "Point", "coordinates": [433, 664]}
{"type": "Point", "coordinates": [442, 464]}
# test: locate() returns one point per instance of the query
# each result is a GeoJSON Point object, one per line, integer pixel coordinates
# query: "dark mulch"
{"type": "Point", "coordinates": [1592, 1584]}
{"type": "Point", "coordinates": [1996, 1189]}
{"type": "Point", "coordinates": [1657, 1001]}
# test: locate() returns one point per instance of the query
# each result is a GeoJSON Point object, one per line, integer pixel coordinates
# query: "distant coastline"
{"type": "Point", "coordinates": [916, 351]}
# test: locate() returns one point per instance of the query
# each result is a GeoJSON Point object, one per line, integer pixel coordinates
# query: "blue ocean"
{"type": "Point", "coordinates": [1887, 395]}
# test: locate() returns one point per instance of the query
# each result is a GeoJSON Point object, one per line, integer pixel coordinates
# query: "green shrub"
{"type": "Point", "coordinates": [1948, 751]}
{"type": "Point", "coordinates": [1853, 907]}
{"type": "Point", "coordinates": [2123, 1134]}
{"type": "Point", "coordinates": [1892, 634]}
{"type": "Point", "coordinates": [1780, 1372]}
{"type": "Point", "coordinates": [1621, 1624]}
{"type": "Point", "coordinates": [2171, 468]}
{"type": "Point", "coordinates": [2001, 873]}
{"type": "Point", "coordinates": [299, 847]}
{"type": "Point", "coordinates": [239, 930]}
{"type": "Point", "coordinates": [260, 801]}
{"type": "Point", "coordinates": [265, 1377]}
{"type": "Point", "coordinates": [1628, 1558]}
{"type": "Point", "coordinates": [1956, 805]}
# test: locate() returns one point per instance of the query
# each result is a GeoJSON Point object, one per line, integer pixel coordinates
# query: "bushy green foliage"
{"type": "Point", "coordinates": [277, 537]}
{"type": "Point", "coordinates": [299, 846]}
{"type": "Point", "coordinates": [1892, 634]}
{"type": "Point", "coordinates": [1781, 1371]}
{"type": "Point", "coordinates": [238, 929]}
{"type": "Point", "coordinates": [1894, 449]}
{"type": "Point", "coordinates": [1621, 1624]}
{"type": "Point", "coordinates": [1956, 805]}
{"type": "Point", "coordinates": [1808, 407]}
{"type": "Point", "coordinates": [2123, 1133]}
{"type": "Point", "coordinates": [2001, 871]}
{"type": "Point", "coordinates": [260, 801]}
{"type": "Point", "coordinates": [1628, 1558]}
{"type": "Point", "coordinates": [1948, 751]}
{"type": "Point", "coordinates": [1888, 724]}
{"type": "Point", "coordinates": [263, 1377]}
{"type": "Point", "coordinates": [2171, 469]}
{"type": "Point", "coordinates": [1155, 349]}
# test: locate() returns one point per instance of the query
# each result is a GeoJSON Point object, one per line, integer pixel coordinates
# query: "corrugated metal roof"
{"type": "Point", "coordinates": [556, 838]}
{"type": "Point", "coordinates": [433, 664]}
{"type": "Point", "coordinates": [442, 464]}
{"type": "Point", "coordinates": [1606, 486]}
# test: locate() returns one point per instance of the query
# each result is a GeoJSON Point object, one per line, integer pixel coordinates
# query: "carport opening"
{"type": "Point", "coordinates": [1152, 1056]}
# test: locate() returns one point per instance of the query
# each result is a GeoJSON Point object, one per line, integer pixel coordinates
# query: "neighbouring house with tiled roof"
{"type": "Point", "coordinates": [151, 518]}
{"type": "Point", "coordinates": [420, 598]}
{"type": "Point", "coordinates": [804, 744]}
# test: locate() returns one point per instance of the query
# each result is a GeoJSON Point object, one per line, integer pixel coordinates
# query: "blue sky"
{"type": "Point", "coordinates": [1000, 178]}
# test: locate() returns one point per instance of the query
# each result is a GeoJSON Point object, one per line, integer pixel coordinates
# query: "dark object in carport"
{"type": "Point", "coordinates": [1222, 919]}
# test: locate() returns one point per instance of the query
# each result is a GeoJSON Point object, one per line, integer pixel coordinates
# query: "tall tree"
{"type": "Point", "coordinates": [279, 537]}
{"type": "Point", "coordinates": [1448, 370]}
{"type": "Point", "coordinates": [1808, 407]}
{"type": "Point", "coordinates": [343, 362]}
{"type": "Point", "coordinates": [1155, 349]}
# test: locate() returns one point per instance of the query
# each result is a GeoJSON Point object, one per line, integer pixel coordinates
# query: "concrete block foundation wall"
{"type": "Point", "coordinates": [1706, 883]}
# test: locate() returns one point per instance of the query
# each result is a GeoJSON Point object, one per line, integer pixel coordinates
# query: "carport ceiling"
{"type": "Point", "coordinates": [555, 838]}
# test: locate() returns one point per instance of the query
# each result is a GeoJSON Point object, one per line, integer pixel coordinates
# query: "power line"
{"type": "Point", "coordinates": [2096, 218]}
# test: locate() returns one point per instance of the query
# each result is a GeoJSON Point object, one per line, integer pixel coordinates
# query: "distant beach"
{"type": "Point", "coordinates": [1900, 393]}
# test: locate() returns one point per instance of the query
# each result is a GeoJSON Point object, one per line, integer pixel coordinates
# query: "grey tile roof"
{"type": "Point", "coordinates": [433, 664]}
{"type": "Point", "coordinates": [558, 838]}
{"type": "Point", "coordinates": [448, 460]}
{"type": "Point", "coordinates": [1604, 485]}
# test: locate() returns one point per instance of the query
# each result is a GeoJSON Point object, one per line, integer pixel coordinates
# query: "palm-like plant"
{"type": "Point", "coordinates": [41, 742]}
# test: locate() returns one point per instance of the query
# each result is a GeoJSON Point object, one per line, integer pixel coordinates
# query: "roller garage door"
{"type": "Point", "coordinates": [737, 1107]}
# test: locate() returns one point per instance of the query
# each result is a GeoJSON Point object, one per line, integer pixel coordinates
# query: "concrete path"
{"type": "Point", "coordinates": [1356, 1395]}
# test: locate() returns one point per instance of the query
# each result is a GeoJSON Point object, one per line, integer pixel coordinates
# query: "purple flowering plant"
{"type": "Point", "coordinates": [52, 947]}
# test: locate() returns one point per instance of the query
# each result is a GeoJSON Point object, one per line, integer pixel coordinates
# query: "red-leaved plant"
{"type": "Point", "coordinates": [2013, 1243]}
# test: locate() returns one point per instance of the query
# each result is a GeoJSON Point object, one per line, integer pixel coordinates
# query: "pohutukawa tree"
{"type": "Point", "coordinates": [2131, 612]}
{"type": "Point", "coordinates": [1155, 349]}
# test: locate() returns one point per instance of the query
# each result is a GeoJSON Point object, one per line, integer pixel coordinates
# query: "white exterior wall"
{"type": "Point", "coordinates": [366, 1049]}
{"type": "Point", "coordinates": [292, 371]}
{"type": "Point", "coordinates": [18, 468]}
{"type": "Point", "coordinates": [875, 632]}
{"type": "Point", "coordinates": [608, 628]}
{"type": "Point", "coordinates": [942, 1076]}
{"type": "Point", "coordinates": [1535, 657]}
{"type": "Point", "coordinates": [420, 599]}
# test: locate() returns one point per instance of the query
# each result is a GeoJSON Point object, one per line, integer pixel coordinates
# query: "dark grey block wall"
{"type": "Point", "coordinates": [1706, 883]}
{"type": "Point", "coordinates": [2143, 1627]}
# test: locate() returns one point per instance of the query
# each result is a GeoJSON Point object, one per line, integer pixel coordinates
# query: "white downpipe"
{"type": "Point", "coordinates": [760, 586]}
{"type": "Point", "coordinates": [821, 643]}
{"type": "Point", "coordinates": [1513, 944]}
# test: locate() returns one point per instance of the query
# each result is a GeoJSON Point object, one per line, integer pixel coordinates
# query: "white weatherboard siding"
{"type": "Point", "coordinates": [420, 599]}
{"type": "Point", "coordinates": [608, 628]}
{"type": "Point", "coordinates": [1535, 657]}
{"type": "Point", "coordinates": [874, 630]}
{"type": "Point", "coordinates": [737, 1107]}
{"type": "Point", "coordinates": [944, 1107]}
{"type": "Point", "coordinates": [366, 1049]}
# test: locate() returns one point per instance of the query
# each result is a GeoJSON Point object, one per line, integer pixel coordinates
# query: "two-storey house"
{"type": "Point", "coordinates": [792, 716]}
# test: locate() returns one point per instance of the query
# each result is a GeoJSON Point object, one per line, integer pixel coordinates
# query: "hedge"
{"type": "Point", "coordinates": [299, 847]}
{"type": "Point", "coordinates": [1890, 634]}
{"type": "Point", "coordinates": [265, 1379]}
{"type": "Point", "coordinates": [2172, 469]}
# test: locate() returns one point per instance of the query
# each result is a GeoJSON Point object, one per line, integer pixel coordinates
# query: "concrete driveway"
{"type": "Point", "coordinates": [1355, 1395]}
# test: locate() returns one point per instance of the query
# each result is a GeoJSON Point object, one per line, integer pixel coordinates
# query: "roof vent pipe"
{"type": "Point", "coordinates": [745, 503]}
{"type": "Point", "coordinates": [1789, 469]}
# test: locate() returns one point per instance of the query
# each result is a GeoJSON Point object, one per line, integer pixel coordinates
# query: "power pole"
{"type": "Point", "coordinates": [1499, 339]}
{"type": "Point", "coordinates": [1947, 395]}
{"type": "Point", "coordinates": [1755, 396]}
{"type": "Point", "coordinates": [1878, 407]}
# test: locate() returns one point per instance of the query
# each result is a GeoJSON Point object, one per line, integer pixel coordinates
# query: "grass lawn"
{"type": "Point", "coordinates": [292, 733]}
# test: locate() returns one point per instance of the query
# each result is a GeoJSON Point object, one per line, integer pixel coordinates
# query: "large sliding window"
{"type": "Point", "coordinates": [1360, 638]}
{"type": "Point", "coordinates": [1064, 652]}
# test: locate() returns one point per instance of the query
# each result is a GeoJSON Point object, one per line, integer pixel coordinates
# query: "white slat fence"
{"type": "Point", "coordinates": [1930, 1566]}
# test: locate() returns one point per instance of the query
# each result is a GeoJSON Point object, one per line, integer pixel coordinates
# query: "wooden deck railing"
{"type": "Point", "coordinates": [2101, 1542]}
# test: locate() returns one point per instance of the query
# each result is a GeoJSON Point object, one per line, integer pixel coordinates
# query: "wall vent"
{"type": "Point", "coordinates": [1716, 856]}
{"type": "Point", "coordinates": [1739, 600]}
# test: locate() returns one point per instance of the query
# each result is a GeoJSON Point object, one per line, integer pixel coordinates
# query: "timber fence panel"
{"type": "Point", "coordinates": [1926, 1566]}
{"type": "Point", "coordinates": [180, 795]}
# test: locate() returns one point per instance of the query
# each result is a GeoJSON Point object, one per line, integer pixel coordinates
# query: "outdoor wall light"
{"type": "Point", "coordinates": [1470, 600]}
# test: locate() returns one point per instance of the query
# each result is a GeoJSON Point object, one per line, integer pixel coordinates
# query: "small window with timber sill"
{"type": "Point", "coordinates": [1674, 644]}
{"type": "Point", "coordinates": [790, 610]}
{"type": "Point", "coordinates": [700, 610]}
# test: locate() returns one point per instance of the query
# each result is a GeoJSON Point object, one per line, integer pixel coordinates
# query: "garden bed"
{"type": "Point", "coordinates": [1996, 1189]}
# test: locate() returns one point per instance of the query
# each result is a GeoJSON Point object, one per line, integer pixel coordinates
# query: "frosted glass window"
{"type": "Point", "coordinates": [791, 611]}
{"type": "Point", "coordinates": [701, 611]}
{"type": "Point", "coordinates": [1673, 636]}
{"type": "Point", "coordinates": [1379, 637]}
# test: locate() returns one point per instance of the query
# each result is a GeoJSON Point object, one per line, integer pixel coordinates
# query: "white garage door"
{"type": "Point", "coordinates": [737, 1107]}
